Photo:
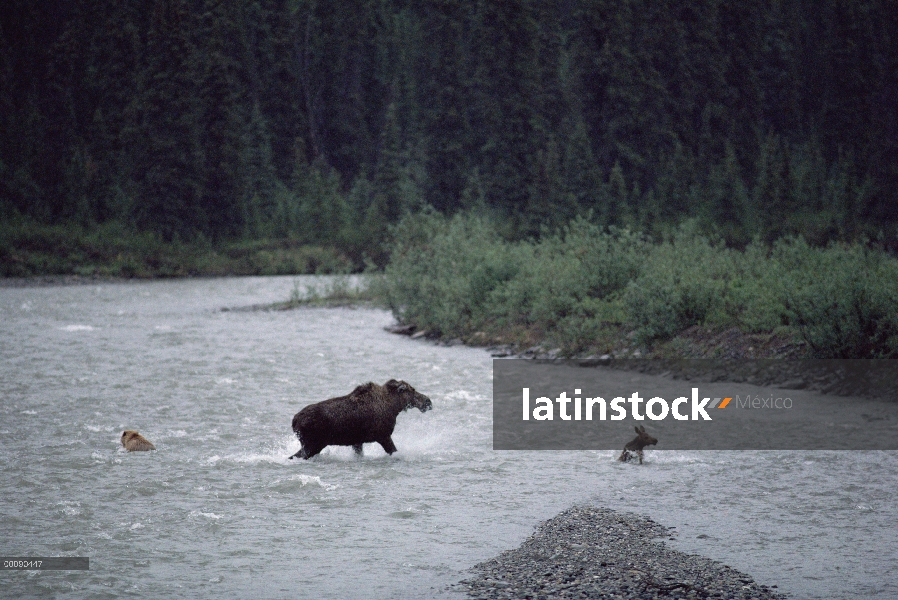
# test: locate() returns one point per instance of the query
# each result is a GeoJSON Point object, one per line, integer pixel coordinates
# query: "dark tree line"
{"type": "Point", "coordinates": [324, 121]}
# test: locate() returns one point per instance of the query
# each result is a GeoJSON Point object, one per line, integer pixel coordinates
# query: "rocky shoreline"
{"type": "Point", "coordinates": [874, 379]}
{"type": "Point", "coordinates": [619, 344]}
{"type": "Point", "coordinates": [593, 552]}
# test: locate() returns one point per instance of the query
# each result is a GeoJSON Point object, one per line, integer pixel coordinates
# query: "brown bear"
{"type": "Point", "coordinates": [366, 415]}
{"type": "Point", "coordinates": [134, 442]}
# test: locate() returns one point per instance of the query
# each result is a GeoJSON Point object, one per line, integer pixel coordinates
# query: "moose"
{"type": "Point", "coordinates": [633, 449]}
{"type": "Point", "coordinates": [367, 414]}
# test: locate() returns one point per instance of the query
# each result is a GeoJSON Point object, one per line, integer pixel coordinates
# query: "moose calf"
{"type": "Point", "coordinates": [634, 448]}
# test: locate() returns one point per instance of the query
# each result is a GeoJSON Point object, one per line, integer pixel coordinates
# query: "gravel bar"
{"type": "Point", "coordinates": [591, 552]}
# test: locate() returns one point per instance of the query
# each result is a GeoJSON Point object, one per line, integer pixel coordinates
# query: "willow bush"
{"type": "Point", "coordinates": [458, 277]}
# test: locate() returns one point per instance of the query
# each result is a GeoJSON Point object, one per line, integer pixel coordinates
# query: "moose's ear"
{"type": "Point", "coordinates": [637, 430]}
{"type": "Point", "coordinates": [397, 386]}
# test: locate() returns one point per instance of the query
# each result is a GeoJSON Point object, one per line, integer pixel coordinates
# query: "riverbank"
{"type": "Point", "coordinates": [69, 254]}
{"type": "Point", "coordinates": [591, 552]}
{"type": "Point", "coordinates": [617, 343]}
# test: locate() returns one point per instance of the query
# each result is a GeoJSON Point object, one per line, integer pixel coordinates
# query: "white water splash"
{"type": "Point", "coordinates": [77, 328]}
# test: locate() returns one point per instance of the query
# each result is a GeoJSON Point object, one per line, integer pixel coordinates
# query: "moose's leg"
{"type": "Point", "coordinates": [639, 454]}
{"type": "Point", "coordinates": [308, 452]}
{"type": "Point", "coordinates": [388, 445]}
{"type": "Point", "coordinates": [624, 456]}
{"type": "Point", "coordinates": [358, 449]}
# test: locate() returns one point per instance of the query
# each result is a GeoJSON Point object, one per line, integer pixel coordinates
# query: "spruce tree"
{"type": "Point", "coordinates": [163, 138]}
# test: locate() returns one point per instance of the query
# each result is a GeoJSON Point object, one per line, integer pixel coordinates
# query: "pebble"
{"type": "Point", "coordinates": [593, 552]}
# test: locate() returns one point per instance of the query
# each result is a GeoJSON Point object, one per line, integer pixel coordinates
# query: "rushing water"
{"type": "Point", "coordinates": [219, 511]}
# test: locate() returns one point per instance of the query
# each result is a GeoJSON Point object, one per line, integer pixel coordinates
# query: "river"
{"type": "Point", "coordinates": [218, 510]}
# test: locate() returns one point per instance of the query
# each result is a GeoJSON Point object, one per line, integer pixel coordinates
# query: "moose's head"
{"type": "Point", "coordinates": [409, 398]}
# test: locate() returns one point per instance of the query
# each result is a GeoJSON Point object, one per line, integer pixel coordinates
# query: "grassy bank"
{"type": "Point", "coordinates": [590, 290]}
{"type": "Point", "coordinates": [29, 249]}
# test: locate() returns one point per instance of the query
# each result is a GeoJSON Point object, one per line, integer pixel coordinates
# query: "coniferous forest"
{"type": "Point", "coordinates": [325, 122]}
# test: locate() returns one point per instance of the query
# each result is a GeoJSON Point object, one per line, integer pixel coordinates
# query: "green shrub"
{"type": "Point", "coordinates": [443, 272]}
{"type": "Point", "coordinates": [754, 295]}
{"type": "Point", "coordinates": [579, 288]}
{"type": "Point", "coordinates": [847, 305]}
{"type": "Point", "coordinates": [683, 283]}
{"type": "Point", "coordinates": [568, 284]}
